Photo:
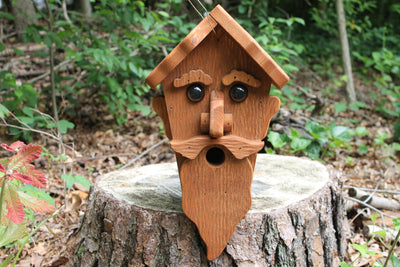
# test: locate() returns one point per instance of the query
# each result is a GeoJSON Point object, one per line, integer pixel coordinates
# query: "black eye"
{"type": "Point", "coordinates": [195, 93]}
{"type": "Point", "coordinates": [238, 93]}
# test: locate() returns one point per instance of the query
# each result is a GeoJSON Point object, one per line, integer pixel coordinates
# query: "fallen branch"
{"type": "Point", "coordinates": [375, 201]}
{"type": "Point", "coordinates": [383, 191]}
{"type": "Point", "coordinates": [371, 207]}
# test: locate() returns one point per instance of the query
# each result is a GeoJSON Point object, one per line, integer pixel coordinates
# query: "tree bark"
{"type": "Point", "coordinates": [134, 218]}
{"type": "Point", "coordinates": [86, 8]}
{"type": "Point", "coordinates": [24, 13]}
{"type": "Point", "coordinates": [351, 95]}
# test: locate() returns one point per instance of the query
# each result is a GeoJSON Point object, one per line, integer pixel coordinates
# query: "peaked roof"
{"type": "Point", "coordinates": [218, 16]}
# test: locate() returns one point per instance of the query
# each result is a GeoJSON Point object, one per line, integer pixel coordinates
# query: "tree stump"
{"type": "Point", "coordinates": [134, 218]}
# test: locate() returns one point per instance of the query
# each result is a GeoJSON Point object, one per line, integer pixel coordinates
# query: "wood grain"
{"type": "Point", "coordinates": [217, 55]}
{"type": "Point", "coordinates": [218, 17]}
{"type": "Point", "coordinates": [238, 146]}
{"type": "Point", "coordinates": [216, 114]}
{"type": "Point", "coordinates": [193, 76]}
{"type": "Point", "coordinates": [205, 123]}
{"type": "Point", "coordinates": [159, 106]}
{"type": "Point", "coordinates": [216, 198]}
{"type": "Point", "coordinates": [240, 76]}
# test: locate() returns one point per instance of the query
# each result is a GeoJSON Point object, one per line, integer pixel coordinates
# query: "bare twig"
{"type": "Point", "coordinates": [144, 153]}
{"type": "Point", "coordinates": [396, 239]}
{"type": "Point", "coordinates": [8, 36]}
{"type": "Point", "coordinates": [26, 127]}
{"type": "Point", "coordinates": [59, 66]}
{"type": "Point", "coordinates": [110, 156]}
{"type": "Point", "coordinates": [371, 207]}
{"type": "Point", "coordinates": [64, 8]}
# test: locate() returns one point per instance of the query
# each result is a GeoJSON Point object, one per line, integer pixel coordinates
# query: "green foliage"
{"type": "Point", "coordinates": [71, 179]}
{"type": "Point", "coordinates": [321, 140]}
{"type": "Point", "coordinates": [380, 234]}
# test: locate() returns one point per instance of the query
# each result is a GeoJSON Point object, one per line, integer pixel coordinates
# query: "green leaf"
{"type": "Point", "coordinates": [3, 112]}
{"type": "Point", "coordinates": [382, 233]}
{"type": "Point", "coordinates": [395, 261]}
{"type": "Point", "coordinates": [7, 261]}
{"type": "Point", "coordinates": [361, 130]}
{"type": "Point", "coordinates": [71, 179]}
{"type": "Point", "coordinates": [344, 264]}
{"type": "Point", "coordinates": [294, 133]}
{"type": "Point", "coordinates": [373, 218]}
{"type": "Point", "coordinates": [396, 223]}
{"type": "Point", "coordinates": [11, 232]}
{"type": "Point", "coordinates": [65, 125]}
{"type": "Point", "coordinates": [363, 249]}
{"type": "Point", "coordinates": [350, 160]}
{"type": "Point", "coordinates": [278, 140]}
{"type": "Point", "coordinates": [144, 109]}
{"type": "Point", "coordinates": [396, 146]}
{"type": "Point", "coordinates": [341, 133]}
{"type": "Point", "coordinates": [362, 149]}
{"type": "Point", "coordinates": [377, 264]}
{"type": "Point", "coordinates": [6, 15]}
{"type": "Point", "coordinates": [18, 52]}
{"type": "Point", "coordinates": [317, 131]}
{"type": "Point", "coordinates": [299, 144]}
{"type": "Point", "coordinates": [339, 107]}
{"type": "Point", "coordinates": [313, 150]}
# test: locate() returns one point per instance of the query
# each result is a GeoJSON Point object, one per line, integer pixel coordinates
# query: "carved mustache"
{"type": "Point", "coordinates": [239, 147]}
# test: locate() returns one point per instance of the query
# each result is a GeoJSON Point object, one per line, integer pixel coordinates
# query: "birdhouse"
{"type": "Point", "coordinates": [216, 110]}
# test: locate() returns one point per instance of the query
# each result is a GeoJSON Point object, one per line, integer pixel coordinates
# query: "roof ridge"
{"type": "Point", "coordinates": [218, 16]}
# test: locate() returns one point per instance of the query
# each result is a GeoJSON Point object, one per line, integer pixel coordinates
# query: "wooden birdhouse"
{"type": "Point", "coordinates": [216, 110]}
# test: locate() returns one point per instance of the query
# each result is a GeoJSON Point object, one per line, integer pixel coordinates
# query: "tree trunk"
{"type": "Point", "coordinates": [24, 13]}
{"type": "Point", "coordinates": [351, 95]}
{"type": "Point", "coordinates": [86, 8]}
{"type": "Point", "coordinates": [134, 218]}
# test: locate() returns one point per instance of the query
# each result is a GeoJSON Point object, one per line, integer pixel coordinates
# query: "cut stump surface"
{"type": "Point", "coordinates": [134, 218]}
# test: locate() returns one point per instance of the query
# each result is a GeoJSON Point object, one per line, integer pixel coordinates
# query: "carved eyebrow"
{"type": "Point", "coordinates": [240, 76]}
{"type": "Point", "coordinates": [194, 76]}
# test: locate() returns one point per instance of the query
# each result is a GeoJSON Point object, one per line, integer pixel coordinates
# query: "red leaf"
{"type": "Point", "coordinates": [22, 177]}
{"type": "Point", "coordinates": [26, 154]}
{"type": "Point", "coordinates": [13, 147]}
{"type": "Point", "coordinates": [2, 169]}
{"type": "Point", "coordinates": [34, 203]}
{"type": "Point", "coordinates": [37, 178]}
{"type": "Point", "coordinates": [14, 206]}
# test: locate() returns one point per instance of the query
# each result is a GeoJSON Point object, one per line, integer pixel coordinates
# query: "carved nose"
{"type": "Point", "coordinates": [216, 122]}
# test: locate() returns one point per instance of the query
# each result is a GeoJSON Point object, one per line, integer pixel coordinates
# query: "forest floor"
{"type": "Point", "coordinates": [97, 145]}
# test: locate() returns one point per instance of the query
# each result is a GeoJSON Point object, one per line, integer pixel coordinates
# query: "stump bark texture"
{"type": "Point", "coordinates": [134, 218]}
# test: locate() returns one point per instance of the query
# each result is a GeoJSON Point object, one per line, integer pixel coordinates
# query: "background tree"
{"type": "Point", "coordinates": [341, 19]}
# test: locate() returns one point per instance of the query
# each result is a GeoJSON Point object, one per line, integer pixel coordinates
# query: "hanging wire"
{"type": "Point", "coordinates": [198, 12]}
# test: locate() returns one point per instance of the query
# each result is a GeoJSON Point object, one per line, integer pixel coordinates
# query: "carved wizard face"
{"type": "Point", "coordinates": [240, 86]}
{"type": "Point", "coordinates": [216, 111]}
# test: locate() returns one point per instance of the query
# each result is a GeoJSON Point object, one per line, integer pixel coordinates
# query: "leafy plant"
{"type": "Point", "coordinates": [380, 234]}
{"type": "Point", "coordinates": [19, 191]}
{"type": "Point", "coordinates": [322, 140]}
